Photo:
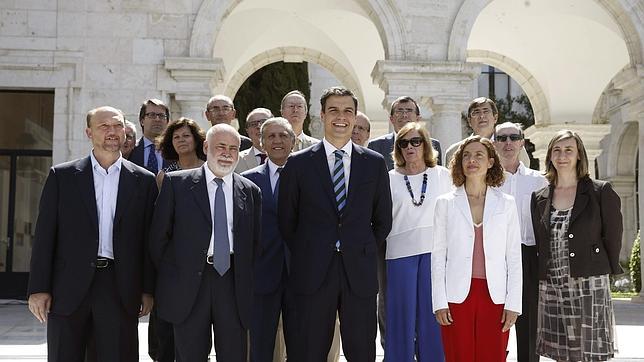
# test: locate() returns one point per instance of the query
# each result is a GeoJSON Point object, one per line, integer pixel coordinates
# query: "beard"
{"type": "Point", "coordinates": [223, 170]}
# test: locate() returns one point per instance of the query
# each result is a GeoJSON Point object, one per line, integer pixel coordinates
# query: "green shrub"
{"type": "Point", "coordinates": [635, 266]}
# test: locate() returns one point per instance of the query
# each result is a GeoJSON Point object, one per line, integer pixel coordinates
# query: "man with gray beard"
{"type": "Point", "coordinates": [206, 229]}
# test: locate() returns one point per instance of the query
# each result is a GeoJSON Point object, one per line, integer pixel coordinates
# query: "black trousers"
{"type": "Point", "coordinates": [526, 326]}
{"type": "Point", "coordinates": [265, 318]}
{"type": "Point", "coordinates": [100, 315]}
{"type": "Point", "coordinates": [316, 319]}
{"type": "Point", "coordinates": [215, 309]}
{"type": "Point", "coordinates": [160, 338]}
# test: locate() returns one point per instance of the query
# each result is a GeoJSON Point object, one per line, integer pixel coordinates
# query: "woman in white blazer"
{"type": "Point", "coordinates": [476, 261]}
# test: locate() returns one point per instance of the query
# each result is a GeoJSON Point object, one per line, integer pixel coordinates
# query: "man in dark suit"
{"type": "Point", "coordinates": [90, 267]}
{"type": "Point", "coordinates": [220, 109]}
{"type": "Point", "coordinates": [333, 231]}
{"type": "Point", "coordinates": [203, 238]}
{"type": "Point", "coordinates": [403, 110]}
{"type": "Point", "coordinates": [153, 118]}
{"type": "Point", "coordinates": [271, 267]}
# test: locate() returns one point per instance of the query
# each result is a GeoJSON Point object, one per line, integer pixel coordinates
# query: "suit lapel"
{"type": "Point", "coordinates": [239, 200]}
{"type": "Point", "coordinates": [581, 199]}
{"type": "Point", "coordinates": [318, 155]}
{"type": "Point", "coordinates": [85, 178]}
{"type": "Point", "coordinates": [127, 184]}
{"type": "Point", "coordinates": [491, 202]}
{"type": "Point", "coordinates": [357, 172]}
{"type": "Point", "coordinates": [266, 187]}
{"type": "Point", "coordinates": [544, 202]}
{"type": "Point", "coordinates": [199, 190]}
{"type": "Point", "coordinates": [463, 205]}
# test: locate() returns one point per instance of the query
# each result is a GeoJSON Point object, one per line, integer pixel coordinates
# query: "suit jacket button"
{"type": "Point", "coordinates": [339, 224]}
{"type": "Point", "coordinates": [596, 250]}
{"type": "Point", "coordinates": [199, 273]}
{"type": "Point", "coordinates": [572, 255]}
{"type": "Point", "coordinates": [570, 236]}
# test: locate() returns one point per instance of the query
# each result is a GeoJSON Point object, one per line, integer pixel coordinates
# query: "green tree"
{"type": "Point", "coordinates": [635, 264]}
{"type": "Point", "coordinates": [266, 87]}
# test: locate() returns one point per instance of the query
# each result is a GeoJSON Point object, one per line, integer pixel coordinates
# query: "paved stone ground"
{"type": "Point", "coordinates": [22, 338]}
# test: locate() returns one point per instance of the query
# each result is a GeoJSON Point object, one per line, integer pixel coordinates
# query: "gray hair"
{"type": "Point", "coordinates": [222, 128]}
{"type": "Point", "coordinates": [129, 124]}
{"type": "Point", "coordinates": [257, 110]}
{"type": "Point", "coordinates": [504, 125]}
{"type": "Point", "coordinates": [220, 97]}
{"type": "Point", "coordinates": [278, 121]}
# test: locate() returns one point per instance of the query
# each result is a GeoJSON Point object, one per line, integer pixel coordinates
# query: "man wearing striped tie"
{"type": "Point", "coordinates": [334, 209]}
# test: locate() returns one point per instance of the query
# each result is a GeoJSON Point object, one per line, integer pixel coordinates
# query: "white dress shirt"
{"type": "Point", "coordinates": [228, 195]}
{"type": "Point", "coordinates": [521, 185]}
{"type": "Point", "coordinates": [106, 186]}
{"type": "Point", "coordinates": [257, 154]}
{"type": "Point", "coordinates": [272, 172]}
{"type": "Point", "coordinates": [146, 153]}
{"type": "Point", "coordinates": [346, 159]}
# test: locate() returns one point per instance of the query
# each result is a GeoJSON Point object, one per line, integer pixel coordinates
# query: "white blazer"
{"type": "Point", "coordinates": [454, 246]}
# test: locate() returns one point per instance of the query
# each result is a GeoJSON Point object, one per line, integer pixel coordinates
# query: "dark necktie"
{"type": "Point", "coordinates": [276, 190]}
{"type": "Point", "coordinates": [152, 164]}
{"type": "Point", "coordinates": [221, 247]}
{"type": "Point", "coordinates": [262, 158]}
{"type": "Point", "coordinates": [339, 185]}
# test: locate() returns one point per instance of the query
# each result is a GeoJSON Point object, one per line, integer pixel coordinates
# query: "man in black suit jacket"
{"type": "Point", "coordinates": [203, 247]}
{"type": "Point", "coordinates": [90, 268]}
{"type": "Point", "coordinates": [153, 118]}
{"type": "Point", "coordinates": [271, 267]}
{"type": "Point", "coordinates": [220, 109]}
{"type": "Point", "coordinates": [403, 110]}
{"type": "Point", "coordinates": [333, 237]}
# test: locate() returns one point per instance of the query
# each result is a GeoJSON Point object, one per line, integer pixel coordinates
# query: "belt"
{"type": "Point", "coordinates": [102, 263]}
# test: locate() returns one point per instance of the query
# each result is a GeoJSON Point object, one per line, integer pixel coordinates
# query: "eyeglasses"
{"type": "Point", "coordinates": [402, 111]}
{"type": "Point", "coordinates": [256, 124]}
{"type": "Point", "coordinates": [512, 137]}
{"type": "Point", "coordinates": [153, 115]}
{"type": "Point", "coordinates": [224, 109]}
{"type": "Point", "coordinates": [415, 141]}
{"type": "Point", "coordinates": [479, 113]}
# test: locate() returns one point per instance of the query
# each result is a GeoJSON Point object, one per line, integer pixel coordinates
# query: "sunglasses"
{"type": "Point", "coordinates": [512, 137]}
{"type": "Point", "coordinates": [415, 141]}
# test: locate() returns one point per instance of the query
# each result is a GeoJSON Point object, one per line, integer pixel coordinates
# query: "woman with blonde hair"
{"type": "Point", "coordinates": [476, 261]}
{"type": "Point", "coordinates": [578, 229]}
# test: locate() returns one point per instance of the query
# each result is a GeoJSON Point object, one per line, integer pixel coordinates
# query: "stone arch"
{"type": "Point", "coordinates": [522, 76]}
{"type": "Point", "coordinates": [212, 14]}
{"type": "Point", "coordinates": [286, 53]}
{"type": "Point", "coordinates": [624, 12]}
{"type": "Point", "coordinates": [623, 151]}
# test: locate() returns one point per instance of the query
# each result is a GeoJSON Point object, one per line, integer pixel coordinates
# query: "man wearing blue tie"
{"type": "Point", "coordinates": [271, 266]}
{"type": "Point", "coordinates": [204, 235]}
{"type": "Point", "coordinates": [334, 209]}
{"type": "Point", "coordinates": [153, 118]}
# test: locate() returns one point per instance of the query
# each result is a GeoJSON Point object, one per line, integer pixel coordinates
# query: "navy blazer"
{"type": "Point", "coordinates": [66, 239]}
{"type": "Point", "coordinates": [273, 257]}
{"type": "Point", "coordinates": [309, 221]}
{"type": "Point", "coordinates": [384, 145]}
{"type": "Point", "coordinates": [138, 154]}
{"type": "Point", "coordinates": [180, 236]}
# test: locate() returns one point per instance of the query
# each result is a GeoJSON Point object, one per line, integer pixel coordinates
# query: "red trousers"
{"type": "Point", "coordinates": [475, 334]}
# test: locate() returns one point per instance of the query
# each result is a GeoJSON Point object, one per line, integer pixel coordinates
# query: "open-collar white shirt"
{"type": "Point", "coordinates": [106, 186]}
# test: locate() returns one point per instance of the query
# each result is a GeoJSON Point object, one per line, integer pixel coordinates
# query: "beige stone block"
{"type": "Point", "coordinates": [147, 51]}
{"type": "Point", "coordinates": [102, 76]}
{"type": "Point", "coordinates": [178, 6]}
{"type": "Point", "coordinates": [116, 25]}
{"type": "Point", "coordinates": [109, 50]}
{"type": "Point", "coordinates": [164, 79]}
{"type": "Point", "coordinates": [41, 23]}
{"type": "Point", "coordinates": [13, 22]}
{"type": "Point", "coordinates": [176, 47]}
{"type": "Point", "coordinates": [72, 24]}
{"type": "Point", "coordinates": [137, 76]}
{"type": "Point", "coordinates": [21, 42]}
{"type": "Point", "coordinates": [167, 26]}
{"type": "Point", "coordinates": [105, 6]}
{"type": "Point", "coordinates": [71, 5]}
{"type": "Point", "coordinates": [146, 6]}
{"type": "Point", "coordinates": [31, 4]}
{"type": "Point", "coordinates": [70, 43]}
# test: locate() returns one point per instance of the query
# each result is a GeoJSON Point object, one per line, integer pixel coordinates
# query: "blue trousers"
{"type": "Point", "coordinates": [411, 326]}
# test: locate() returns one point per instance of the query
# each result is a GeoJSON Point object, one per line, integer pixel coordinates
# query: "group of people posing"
{"type": "Point", "coordinates": [278, 245]}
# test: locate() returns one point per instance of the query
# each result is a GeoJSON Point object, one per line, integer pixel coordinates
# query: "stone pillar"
{"type": "Point", "coordinates": [194, 80]}
{"type": "Point", "coordinates": [625, 188]}
{"type": "Point", "coordinates": [442, 86]}
{"type": "Point", "coordinates": [591, 135]}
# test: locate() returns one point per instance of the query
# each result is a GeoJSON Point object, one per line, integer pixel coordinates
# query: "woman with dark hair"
{"type": "Point", "coordinates": [578, 229]}
{"type": "Point", "coordinates": [182, 145]}
{"type": "Point", "coordinates": [476, 261]}
{"type": "Point", "coordinates": [415, 183]}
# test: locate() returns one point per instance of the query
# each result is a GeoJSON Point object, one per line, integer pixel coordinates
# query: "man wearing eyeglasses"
{"type": "Point", "coordinates": [294, 109]}
{"type": "Point", "coordinates": [255, 155]}
{"type": "Point", "coordinates": [482, 115]}
{"type": "Point", "coordinates": [520, 182]}
{"type": "Point", "coordinates": [153, 117]}
{"type": "Point", "coordinates": [220, 109]}
{"type": "Point", "coordinates": [403, 110]}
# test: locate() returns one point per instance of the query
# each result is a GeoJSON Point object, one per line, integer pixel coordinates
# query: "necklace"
{"type": "Point", "coordinates": [422, 191]}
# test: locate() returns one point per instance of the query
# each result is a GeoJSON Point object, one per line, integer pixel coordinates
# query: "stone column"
{"type": "Point", "coordinates": [194, 80]}
{"type": "Point", "coordinates": [443, 87]}
{"type": "Point", "coordinates": [625, 188]}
